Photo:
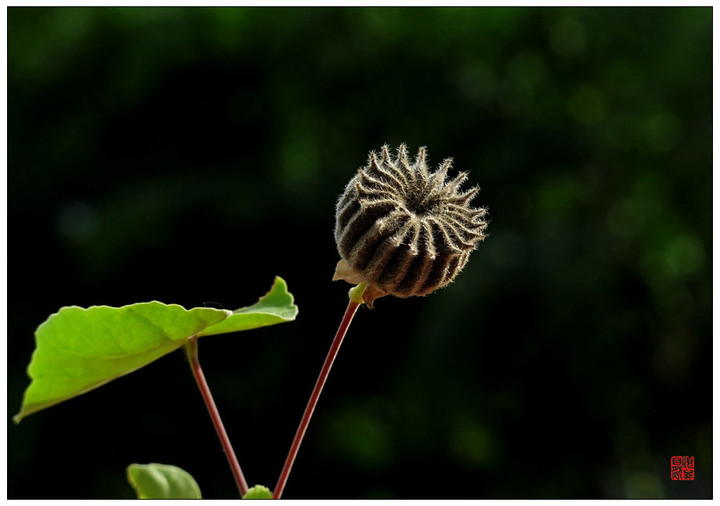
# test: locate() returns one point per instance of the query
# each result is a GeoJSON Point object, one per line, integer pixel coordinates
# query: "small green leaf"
{"type": "Point", "coordinates": [274, 307]}
{"type": "Point", "coordinates": [80, 349]}
{"type": "Point", "coordinates": [258, 492]}
{"type": "Point", "coordinates": [160, 481]}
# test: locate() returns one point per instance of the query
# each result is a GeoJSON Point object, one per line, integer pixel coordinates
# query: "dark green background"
{"type": "Point", "coordinates": [190, 155]}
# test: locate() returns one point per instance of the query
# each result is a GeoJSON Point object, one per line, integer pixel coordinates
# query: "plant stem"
{"type": "Point", "coordinates": [192, 351]}
{"type": "Point", "coordinates": [354, 303]}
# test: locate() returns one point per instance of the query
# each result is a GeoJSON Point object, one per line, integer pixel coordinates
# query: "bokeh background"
{"type": "Point", "coordinates": [189, 155]}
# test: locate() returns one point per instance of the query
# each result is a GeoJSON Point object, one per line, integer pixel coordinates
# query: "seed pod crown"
{"type": "Point", "coordinates": [404, 230]}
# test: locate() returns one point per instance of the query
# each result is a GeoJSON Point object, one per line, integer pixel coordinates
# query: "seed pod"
{"type": "Point", "coordinates": [403, 230]}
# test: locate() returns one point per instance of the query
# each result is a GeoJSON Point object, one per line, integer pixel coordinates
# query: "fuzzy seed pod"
{"type": "Point", "coordinates": [403, 230]}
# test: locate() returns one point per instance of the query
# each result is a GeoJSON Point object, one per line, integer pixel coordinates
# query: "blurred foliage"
{"type": "Point", "coordinates": [571, 359]}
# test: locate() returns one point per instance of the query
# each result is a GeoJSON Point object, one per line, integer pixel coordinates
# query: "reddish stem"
{"type": "Point", "coordinates": [334, 347]}
{"type": "Point", "coordinates": [192, 352]}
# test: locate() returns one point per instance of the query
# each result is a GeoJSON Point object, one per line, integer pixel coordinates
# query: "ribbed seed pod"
{"type": "Point", "coordinates": [403, 230]}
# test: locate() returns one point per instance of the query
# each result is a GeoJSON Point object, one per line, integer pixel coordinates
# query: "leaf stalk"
{"type": "Point", "coordinates": [191, 347]}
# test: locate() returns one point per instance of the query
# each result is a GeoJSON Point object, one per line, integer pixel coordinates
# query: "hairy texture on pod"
{"type": "Point", "coordinates": [404, 230]}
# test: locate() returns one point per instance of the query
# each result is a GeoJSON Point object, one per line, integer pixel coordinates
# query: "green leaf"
{"type": "Point", "coordinates": [258, 492]}
{"type": "Point", "coordinates": [80, 349]}
{"type": "Point", "coordinates": [160, 481]}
